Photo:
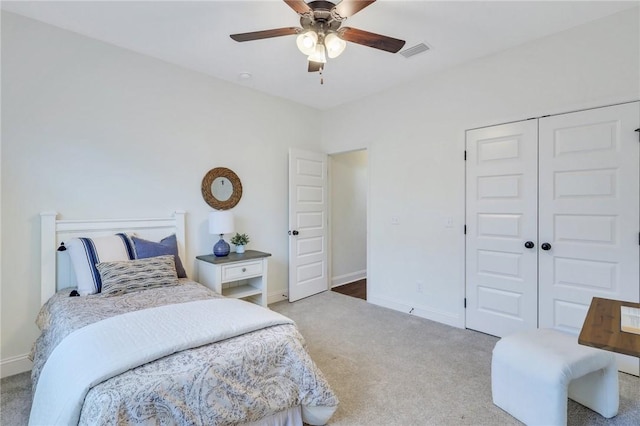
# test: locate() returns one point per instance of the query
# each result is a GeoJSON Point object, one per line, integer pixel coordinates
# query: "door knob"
{"type": "Point", "coordinates": [529, 244]}
{"type": "Point", "coordinates": [294, 232]}
{"type": "Point", "coordinates": [545, 246]}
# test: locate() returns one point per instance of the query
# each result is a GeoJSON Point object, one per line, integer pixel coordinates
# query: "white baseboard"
{"type": "Point", "coordinates": [276, 297]}
{"type": "Point", "coordinates": [419, 311]}
{"type": "Point", "coordinates": [14, 365]}
{"type": "Point", "coordinates": [348, 278]}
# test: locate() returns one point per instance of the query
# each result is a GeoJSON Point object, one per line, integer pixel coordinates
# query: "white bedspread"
{"type": "Point", "coordinates": [109, 347]}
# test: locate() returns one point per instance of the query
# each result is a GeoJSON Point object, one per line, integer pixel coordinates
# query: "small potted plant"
{"type": "Point", "coordinates": [240, 240]}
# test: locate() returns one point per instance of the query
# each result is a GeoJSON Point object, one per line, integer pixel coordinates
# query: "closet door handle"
{"type": "Point", "coordinates": [529, 244]}
{"type": "Point", "coordinates": [545, 246]}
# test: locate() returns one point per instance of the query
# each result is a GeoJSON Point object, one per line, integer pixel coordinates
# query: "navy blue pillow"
{"type": "Point", "coordinates": [168, 245]}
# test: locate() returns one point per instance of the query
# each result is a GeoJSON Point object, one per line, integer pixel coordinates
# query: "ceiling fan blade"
{"type": "Point", "coordinates": [315, 66]}
{"type": "Point", "coordinates": [348, 8]}
{"type": "Point", "coordinates": [300, 6]}
{"type": "Point", "coordinates": [366, 38]}
{"type": "Point", "coordinates": [257, 35]}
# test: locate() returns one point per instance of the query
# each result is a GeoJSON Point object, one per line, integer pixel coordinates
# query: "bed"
{"type": "Point", "coordinates": [162, 354]}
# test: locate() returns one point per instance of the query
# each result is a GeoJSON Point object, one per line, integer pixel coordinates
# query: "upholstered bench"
{"type": "Point", "coordinates": [533, 373]}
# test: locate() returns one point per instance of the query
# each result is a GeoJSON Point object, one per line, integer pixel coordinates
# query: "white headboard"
{"type": "Point", "coordinates": [56, 271]}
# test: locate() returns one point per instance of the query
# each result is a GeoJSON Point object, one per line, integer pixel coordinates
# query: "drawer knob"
{"type": "Point", "coordinates": [244, 269]}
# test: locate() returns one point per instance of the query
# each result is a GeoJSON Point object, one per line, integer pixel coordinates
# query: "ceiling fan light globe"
{"type": "Point", "coordinates": [318, 55]}
{"type": "Point", "coordinates": [335, 45]}
{"type": "Point", "coordinates": [307, 42]}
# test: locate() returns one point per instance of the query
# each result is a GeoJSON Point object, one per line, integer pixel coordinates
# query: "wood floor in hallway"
{"type": "Point", "coordinates": [355, 289]}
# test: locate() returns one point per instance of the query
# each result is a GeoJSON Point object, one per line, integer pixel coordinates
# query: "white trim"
{"type": "Point", "coordinates": [348, 278]}
{"type": "Point", "coordinates": [15, 365]}
{"type": "Point", "coordinates": [357, 275]}
{"type": "Point", "coordinates": [329, 223]}
{"type": "Point", "coordinates": [419, 311]}
{"type": "Point", "coordinates": [180, 223]}
{"type": "Point", "coordinates": [276, 296]}
{"type": "Point", "coordinates": [47, 255]}
{"type": "Point", "coordinates": [53, 232]}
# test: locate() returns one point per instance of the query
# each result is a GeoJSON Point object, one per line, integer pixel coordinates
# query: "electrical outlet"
{"type": "Point", "coordinates": [419, 285]}
{"type": "Point", "coordinates": [448, 222]}
{"type": "Point", "coordinates": [395, 220]}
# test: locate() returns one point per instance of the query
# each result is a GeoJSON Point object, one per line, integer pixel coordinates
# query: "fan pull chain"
{"type": "Point", "coordinates": [321, 78]}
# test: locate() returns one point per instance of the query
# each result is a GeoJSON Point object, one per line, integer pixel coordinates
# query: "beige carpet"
{"type": "Point", "coordinates": [390, 368]}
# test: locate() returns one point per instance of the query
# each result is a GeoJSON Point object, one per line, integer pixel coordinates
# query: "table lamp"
{"type": "Point", "coordinates": [220, 223]}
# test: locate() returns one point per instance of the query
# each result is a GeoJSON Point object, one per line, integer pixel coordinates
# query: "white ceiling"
{"type": "Point", "coordinates": [195, 35]}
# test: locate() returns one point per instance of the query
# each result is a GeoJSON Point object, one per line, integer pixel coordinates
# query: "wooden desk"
{"type": "Point", "coordinates": [601, 328]}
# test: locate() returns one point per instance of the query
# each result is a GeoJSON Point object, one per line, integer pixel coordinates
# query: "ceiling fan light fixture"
{"type": "Point", "coordinates": [321, 33]}
{"type": "Point", "coordinates": [335, 45]}
{"type": "Point", "coordinates": [307, 42]}
{"type": "Point", "coordinates": [319, 54]}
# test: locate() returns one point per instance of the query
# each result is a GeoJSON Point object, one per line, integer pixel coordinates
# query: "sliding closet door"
{"type": "Point", "coordinates": [501, 219]}
{"type": "Point", "coordinates": [589, 214]}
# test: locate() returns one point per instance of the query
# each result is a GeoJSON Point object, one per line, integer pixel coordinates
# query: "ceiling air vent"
{"type": "Point", "coordinates": [412, 51]}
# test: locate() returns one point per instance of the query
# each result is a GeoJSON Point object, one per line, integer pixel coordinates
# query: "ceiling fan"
{"type": "Point", "coordinates": [321, 35]}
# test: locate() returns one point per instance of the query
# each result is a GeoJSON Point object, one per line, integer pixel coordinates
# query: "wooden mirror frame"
{"type": "Point", "coordinates": [207, 194]}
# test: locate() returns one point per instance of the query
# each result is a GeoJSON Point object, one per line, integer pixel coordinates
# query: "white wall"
{"type": "Point", "coordinates": [348, 177]}
{"type": "Point", "coordinates": [415, 135]}
{"type": "Point", "coordinates": [91, 130]}
{"type": "Point", "coordinates": [94, 131]}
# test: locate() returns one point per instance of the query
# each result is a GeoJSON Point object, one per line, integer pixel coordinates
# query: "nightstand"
{"type": "Point", "coordinates": [243, 276]}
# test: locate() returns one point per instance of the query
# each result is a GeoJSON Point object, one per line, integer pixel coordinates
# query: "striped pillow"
{"type": "Point", "coordinates": [86, 253]}
{"type": "Point", "coordinates": [140, 274]}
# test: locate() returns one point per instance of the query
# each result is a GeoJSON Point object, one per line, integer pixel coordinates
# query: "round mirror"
{"type": "Point", "coordinates": [221, 188]}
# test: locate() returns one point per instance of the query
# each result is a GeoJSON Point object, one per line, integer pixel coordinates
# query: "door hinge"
{"type": "Point", "coordinates": [465, 230]}
{"type": "Point", "coordinates": [465, 155]}
{"type": "Point", "coordinates": [639, 238]}
{"type": "Point", "coordinates": [465, 302]}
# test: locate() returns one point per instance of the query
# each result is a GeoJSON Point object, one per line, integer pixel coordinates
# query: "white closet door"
{"type": "Point", "coordinates": [501, 210]}
{"type": "Point", "coordinates": [589, 214]}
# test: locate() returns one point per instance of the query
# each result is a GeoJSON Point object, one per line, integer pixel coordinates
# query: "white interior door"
{"type": "Point", "coordinates": [501, 210]}
{"type": "Point", "coordinates": [308, 227]}
{"type": "Point", "coordinates": [589, 214]}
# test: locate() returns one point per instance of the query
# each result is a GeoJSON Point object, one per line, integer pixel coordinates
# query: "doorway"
{"type": "Point", "coordinates": [348, 180]}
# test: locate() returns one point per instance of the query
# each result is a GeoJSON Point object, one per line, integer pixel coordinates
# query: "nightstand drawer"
{"type": "Point", "coordinates": [244, 270]}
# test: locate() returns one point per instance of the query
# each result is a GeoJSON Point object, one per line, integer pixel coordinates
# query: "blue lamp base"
{"type": "Point", "coordinates": [221, 248]}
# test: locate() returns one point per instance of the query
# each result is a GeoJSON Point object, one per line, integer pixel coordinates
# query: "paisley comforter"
{"type": "Point", "coordinates": [234, 381]}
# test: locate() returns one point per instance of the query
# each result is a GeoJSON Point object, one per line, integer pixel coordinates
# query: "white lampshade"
{"type": "Point", "coordinates": [334, 44]}
{"type": "Point", "coordinates": [307, 42]}
{"type": "Point", "coordinates": [221, 222]}
{"type": "Point", "coordinates": [318, 55]}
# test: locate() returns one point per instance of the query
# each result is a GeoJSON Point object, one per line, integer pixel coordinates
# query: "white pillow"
{"type": "Point", "coordinates": [86, 253]}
